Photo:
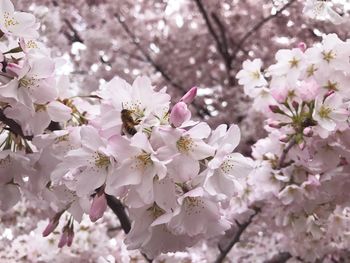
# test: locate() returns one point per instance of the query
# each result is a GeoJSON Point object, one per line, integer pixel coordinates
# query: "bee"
{"type": "Point", "coordinates": [128, 122]}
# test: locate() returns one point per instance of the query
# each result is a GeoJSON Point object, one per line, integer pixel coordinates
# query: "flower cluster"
{"type": "Point", "coordinates": [304, 161]}
{"type": "Point", "coordinates": [174, 175]}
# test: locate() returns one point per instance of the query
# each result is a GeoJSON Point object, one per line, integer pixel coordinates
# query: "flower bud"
{"type": "Point", "coordinates": [295, 105]}
{"type": "Point", "coordinates": [189, 96]}
{"type": "Point", "coordinates": [179, 114]}
{"type": "Point", "coordinates": [274, 124]}
{"type": "Point", "coordinates": [63, 239]}
{"type": "Point", "coordinates": [302, 46]}
{"type": "Point", "coordinates": [308, 132]}
{"type": "Point", "coordinates": [70, 237]}
{"type": "Point", "coordinates": [275, 109]}
{"type": "Point", "coordinates": [98, 206]}
{"type": "Point", "coordinates": [284, 138]}
{"type": "Point", "coordinates": [53, 223]}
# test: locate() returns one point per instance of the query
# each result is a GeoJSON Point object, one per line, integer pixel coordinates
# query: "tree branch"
{"type": "Point", "coordinates": [118, 209]}
{"type": "Point", "coordinates": [285, 152]}
{"type": "Point", "coordinates": [220, 41]}
{"type": "Point", "coordinates": [259, 25]}
{"type": "Point", "coordinates": [14, 127]}
{"type": "Point", "coordinates": [279, 258]}
{"type": "Point", "coordinates": [202, 111]}
{"type": "Point", "coordinates": [75, 36]}
{"type": "Point", "coordinates": [236, 238]}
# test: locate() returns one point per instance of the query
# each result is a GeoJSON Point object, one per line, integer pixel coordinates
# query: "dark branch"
{"type": "Point", "coordinates": [236, 238]}
{"type": "Point", "coordinates": [74, 36]}
{"type": "Point", "coordinates": [220, 41]}
{"type": "Point", "coordinates": [13, 126]}
{"type": "Point", "coordinates": [202, 111]}
{"type": "Point", "coordinates": [279, 258]}
{"type": "Point", "coordinates": [285, 152]}
{"type": "Point", "coordinates": [118, 209]}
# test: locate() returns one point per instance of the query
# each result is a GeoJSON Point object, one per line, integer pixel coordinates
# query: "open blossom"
{"type": "Point", "coordinates": [250, 76]}
{"type": "Point", "coordinates": [322, 9]}
{"type": "Point", "coordinates": [14, 23]}
{"type": "Point", "coordinates": [186, 149]}
{"type": "Point", "coordinates": [138, 167]}
{"type": "Point", "coordinates": [85, 169]}
{"type": "Point", "coordinates": [330, 111]}
{"type": "Point", "coordinates": [226, 169]}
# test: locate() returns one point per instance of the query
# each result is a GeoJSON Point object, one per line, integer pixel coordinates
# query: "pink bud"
{"type": "Point", "coordinates": [179, 114]}
{"type": "Point", "coordinates": [50, 228]}
{"type": "Point", "coordinates": [53, 223]}
{"type": "Point", "coordinates": [295, 105]}
{"type": "Point", "coordinates": [275, 109]}
{"type": "Point", "coordinates": [302, 145]}
{"type": "Point", "coordinates": [302, 46]}
{"type": "Point", "coordinates": [70, 237]}
{"type": "Point", "coordinates": [284, 138]}
{"type": "Point", "coordinates": [98, 206]}
{"type": "Point", "coordinates": [274, 124]}
{"type": "Point", "coordinates": [63, 239]}
{"type": "Point", "coordinates": [189, 96]}
{"type": "Point", "coordinates": [308, 132]}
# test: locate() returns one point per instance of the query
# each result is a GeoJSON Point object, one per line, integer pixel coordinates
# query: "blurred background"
{"type": "Point", "coordinates": [179, 44]}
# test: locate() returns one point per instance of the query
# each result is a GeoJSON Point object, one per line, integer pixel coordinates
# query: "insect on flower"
{"type": "Point", "coordinates": [129, 122]}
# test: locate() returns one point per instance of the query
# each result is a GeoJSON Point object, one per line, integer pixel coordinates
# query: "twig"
{"type": "Point", "coordinates": [279, 258]}
{"type": "Point", "coordinates": [118, 209]}
{"type": "Point", "coordinates": [259, 25]}
{"type": "Point", "coordinates": [75, 37]}
{"type": "Point", "coordinates": [220, 41]}
{"type": "Point", "coordinates": [285, 152]}
{"type": "Point", "coordinates": [202, 111]}
{"type": "Point", "coordinates": [236, 238]}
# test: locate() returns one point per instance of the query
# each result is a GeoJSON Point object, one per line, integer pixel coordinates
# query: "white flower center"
{"type": "Point", "coordinates": [193, 205]}
{"type": "Point", "coordinates": [142, 161]}
{"type": "Point", "coordinates": [102, 160]}
{"type": "Point", "coordinates": [185, 144]}
{"type": "Point", "coordinates": [9, 20]}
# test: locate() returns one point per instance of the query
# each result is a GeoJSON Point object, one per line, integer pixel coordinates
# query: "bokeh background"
{"type": "Point", "coordinates": [179, 44]}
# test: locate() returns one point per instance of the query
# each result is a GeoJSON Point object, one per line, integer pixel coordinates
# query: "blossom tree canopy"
{"type": "Point", "coordinates": [110, 153]}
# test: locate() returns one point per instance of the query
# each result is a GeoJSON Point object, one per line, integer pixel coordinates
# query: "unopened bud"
{"type": "Point", "coordinates": [98, 206]}
{"type": "Point", "coordinates": [275, 109]}
{"type": "Point", "coordinates": [63, 239]}
{"type": "Point", "coordinates": [302, 145]}
{"type": "Point", "coordinates": [189, 96]}
{"type": "Point", "coordinates": [295, 105]}
{"type": "Point", "coordinates": [53, 223]}
{"type": "Point", "coordinates": [179, 114]}
{"type": "Point", "coordinates": [302, 46]}
{"type": "Point", "coordinates": [284, 138]}
{"type": "Point", "coordinates": [274, 124]}
{"type": "Point", "coordinates": [308, 132]}
{"type": "Point", "coordinates": [70, 237]}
